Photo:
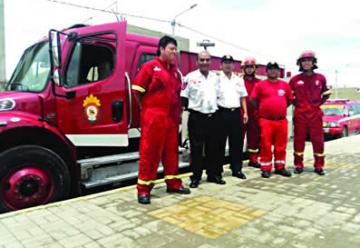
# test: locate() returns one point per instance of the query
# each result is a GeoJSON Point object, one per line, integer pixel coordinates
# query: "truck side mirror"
{"type": "Point", "coordinates": [55, 48]}
{"type": "Point", "coordinates": [55, 55]}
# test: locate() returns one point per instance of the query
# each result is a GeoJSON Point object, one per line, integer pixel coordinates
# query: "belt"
{"type": "Point", "coordinates": [274, 119]}
{"type": "Point", "coordinates": [199, 113]}
{"type": "Point", "coordinates": [228, 109]}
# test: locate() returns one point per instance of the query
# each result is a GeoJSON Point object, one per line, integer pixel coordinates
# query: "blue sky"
{"type": "Point", "coordinates": [270, 29]}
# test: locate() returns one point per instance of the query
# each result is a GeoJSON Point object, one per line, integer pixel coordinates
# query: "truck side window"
{"type": "Point", "coordinates": [89, 62]}
{"type": "Point", "coordinates": [144, 58]}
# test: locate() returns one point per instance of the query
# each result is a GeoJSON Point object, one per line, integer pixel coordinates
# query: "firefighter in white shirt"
{"type": "Point", "coordinates": [199, 96]}
{"type": "Point", "coordinates": [232, 96]}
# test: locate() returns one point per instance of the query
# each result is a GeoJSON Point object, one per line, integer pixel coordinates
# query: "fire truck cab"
{"type": "Point", "coordinates": [68, 112]}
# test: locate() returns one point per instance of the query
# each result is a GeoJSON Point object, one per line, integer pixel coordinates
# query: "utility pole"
{"type": "Point", "coordinates": [173, 21]}
{"type": "Point", "coordinates": [2, 46]}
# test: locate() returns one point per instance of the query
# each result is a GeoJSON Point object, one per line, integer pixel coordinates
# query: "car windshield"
{"type": "Point", "coordinates": [32, 71]}
{"type": "Point", "coordinates": [333, 110]}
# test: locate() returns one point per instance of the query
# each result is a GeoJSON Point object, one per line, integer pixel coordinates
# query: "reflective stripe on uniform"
{"type": "Point", "coordinates": [168, 177]}
{"type": "Point", "coordinates": [265, 163]}
{"type": "Point", "coordinates": [319, 154]}
{"type": "Point", "coordinates": [299, 154]}
{"type": "Point", "coordinates": [143, 182]}
{"type": "Point", "coordinates": [138, 88]}
{"type": "Point", "coordinates": [253, 150]}
{"type": "Point", "coordinates": [328, 92]}
{"type": "Point", "coordinates": [279, 161]}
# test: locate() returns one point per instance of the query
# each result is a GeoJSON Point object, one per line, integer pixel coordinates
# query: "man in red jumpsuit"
{"type": "Point", "coordinates": [310, 91]}
{"type": "Point", "coordinates": [252, 128]}
{"type": "Point", "coordinates": [272, 96]}
{"type": "Point", "coordinates": [157, 90]}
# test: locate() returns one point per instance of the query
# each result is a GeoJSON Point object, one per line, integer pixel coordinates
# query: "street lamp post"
{"type": "Point", "coordinates": [173, 22]}
{"type": "Point", "coordinates": [336, 84]}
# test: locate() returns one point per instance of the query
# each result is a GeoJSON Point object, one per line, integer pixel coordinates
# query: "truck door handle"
{"type": "Point", "coordinates": [117, 110]}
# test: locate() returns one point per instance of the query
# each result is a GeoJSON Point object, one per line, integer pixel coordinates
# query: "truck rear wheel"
{"type": "Point", "coordinates": [31, 175]}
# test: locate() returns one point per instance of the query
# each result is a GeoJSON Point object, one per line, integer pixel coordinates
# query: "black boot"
{"type": "Point", "coordinates": [194, 183]}
{"type": "Point", "coordinates": [239, 174]}
{"type": "Point", "coordinates": [319, 171]}
{"type": "Point", "coordinates": [144, 199]}
{"type": "Point", "coordinates": [181, 190]}
{"type": "Point", "coordinates": [216, 179]}
{"type": "Point", "coordinates": [298, 170]}
{"type": "Point", "coordinates": [266, 174]}
{"type": "Point", "coordinates": [283, 172]}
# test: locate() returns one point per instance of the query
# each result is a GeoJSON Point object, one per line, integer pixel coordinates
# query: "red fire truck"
{"type": "Point", "coordinates": [67, 118]}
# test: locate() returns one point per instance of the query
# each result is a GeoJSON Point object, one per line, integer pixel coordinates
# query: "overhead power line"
{"type": "Point", "coordinates": [213, 37]}
{"type": "Point", "coordinates": [92, 17]}
{"type": "Point", "coordinates": [156, 20]}
{"type": "Point", "coordinates": [107, 11]}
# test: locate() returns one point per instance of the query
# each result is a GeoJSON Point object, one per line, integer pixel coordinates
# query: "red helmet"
{"type": "Point", "coordinates": [307, 55]}
{"type": "Point", "coordinates": [248, 62]}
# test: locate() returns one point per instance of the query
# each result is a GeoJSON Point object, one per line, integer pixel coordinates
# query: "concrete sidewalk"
{"type": "Point", "coordinates": [303, 211]}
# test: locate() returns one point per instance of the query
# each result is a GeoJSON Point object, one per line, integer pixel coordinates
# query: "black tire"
{"type": "Point", "coordinates": [344, 132]}
{"type": "Point", "coordinates": [34, 190]}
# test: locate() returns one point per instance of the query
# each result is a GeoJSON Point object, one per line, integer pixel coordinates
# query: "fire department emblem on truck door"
{"type": "Point", "coordinates": [91, 106]}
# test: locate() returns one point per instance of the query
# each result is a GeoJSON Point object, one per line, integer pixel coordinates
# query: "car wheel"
{"type": "Point", "coordinates": [344, 132]}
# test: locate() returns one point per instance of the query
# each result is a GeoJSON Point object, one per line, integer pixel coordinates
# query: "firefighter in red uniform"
{"type": "Point", "coordinates": [310, 91]}
{"type": "Point", "coordinates": [272, 97]}
{"type": "Point", "coordinates": [157, 90]}
{"type": "Point", "coordinates": [252, 128]}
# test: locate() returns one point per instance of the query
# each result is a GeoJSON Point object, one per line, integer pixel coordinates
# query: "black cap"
{"type": "Point", "coordinates": [272, 65]}
{"type": "Point", "coordinates": [227, 58]}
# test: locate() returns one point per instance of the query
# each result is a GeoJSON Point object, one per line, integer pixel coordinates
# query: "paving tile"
{"type": "Point", "coordinates": [304, 211]}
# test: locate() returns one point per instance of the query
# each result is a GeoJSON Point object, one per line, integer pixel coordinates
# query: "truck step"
{"type": "Point", "coordinates": [111, 159]}
{"type": "Point", "coordinates": [117, 158]}
{"type": "Point", "coordinates": [116, 174]}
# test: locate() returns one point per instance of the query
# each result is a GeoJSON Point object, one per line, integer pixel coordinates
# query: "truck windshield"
{"type": "Point", "coordinates": [32, 72]}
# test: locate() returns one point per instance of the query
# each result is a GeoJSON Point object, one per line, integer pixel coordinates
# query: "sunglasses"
{"type": "Point", "coordinates": [203, 60]}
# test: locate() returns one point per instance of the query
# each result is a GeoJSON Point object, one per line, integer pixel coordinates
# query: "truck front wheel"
{"type": "Point", "coordinates": [31, 175]}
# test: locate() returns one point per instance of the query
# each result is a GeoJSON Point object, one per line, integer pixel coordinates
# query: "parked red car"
{"type": "Point", "coordinates": [341, 117]}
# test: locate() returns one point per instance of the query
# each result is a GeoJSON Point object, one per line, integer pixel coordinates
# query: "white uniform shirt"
{"type": "Point", "coordinates": [230, 91]}
{"type": "Point", "coordinates": [201, 91]}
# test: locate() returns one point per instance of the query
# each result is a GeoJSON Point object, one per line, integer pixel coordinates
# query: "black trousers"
{"type": "Point", "coordinates": [204, 140]}
{"type": "Point", "coordinates": [232, 128]}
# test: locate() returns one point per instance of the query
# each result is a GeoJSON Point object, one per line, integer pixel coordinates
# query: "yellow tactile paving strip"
{"type": "Point", "coordinates": [207, 216]}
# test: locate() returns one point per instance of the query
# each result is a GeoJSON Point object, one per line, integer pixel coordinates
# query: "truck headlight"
{"type": "Point", "coordinates": [333, 124]}
{"type": "Point", "coordinates": [7, 104]}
